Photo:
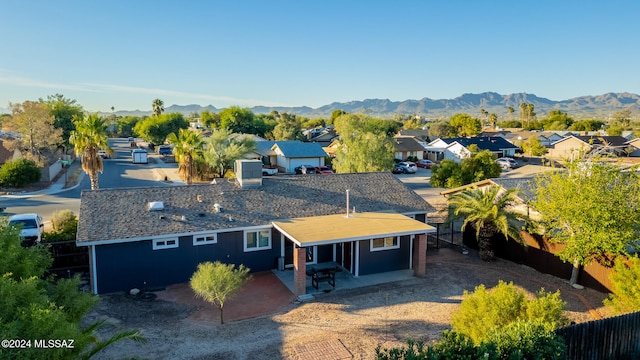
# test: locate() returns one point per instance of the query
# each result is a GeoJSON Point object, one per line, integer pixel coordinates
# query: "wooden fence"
{"type": "Point", "coordinates": [612, 338]}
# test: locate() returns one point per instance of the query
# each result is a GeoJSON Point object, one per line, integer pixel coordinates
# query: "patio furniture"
{"type": "Point", "coordinates": [325, 271]}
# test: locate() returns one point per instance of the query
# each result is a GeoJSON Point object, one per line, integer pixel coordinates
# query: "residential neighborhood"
{"type": "Point", "coordinates": [319, 180]}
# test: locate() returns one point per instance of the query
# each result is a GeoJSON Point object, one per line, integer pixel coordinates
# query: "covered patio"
{"type": "Point", "coordinates": [387, 244]}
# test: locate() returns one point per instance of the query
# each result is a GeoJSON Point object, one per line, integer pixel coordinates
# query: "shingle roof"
{"type": "Point", "coordinates": [491, 143]}
{"type": "Point", "coordinates": [294, 148]}
{"type": "Point", "coordinates": [601, 140]}
{"type": "Point", "coordinates": [264, 147]}
{"type": "Point", "coordinates": [116, 214]}
{"type": "Point", "coordinates": [405, 143]}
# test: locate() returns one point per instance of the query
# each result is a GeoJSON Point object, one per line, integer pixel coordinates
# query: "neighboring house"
{"type": "Point", "coordinates": [406, 146]}
{"type": "Point", "coordinates": [457, 149]}
{"type": "Point", "coordinates": [292, 153]}
{"type": "Point", "coordinates": [332, 148]}
{"type": "Point", "coordinates": [573, 146]}
{"type": "Point", "coordinates": [421, 136]}
{"type": "Point", "coordinates": [264, 153]}
{"type": "Point", "coordinates": [324, 137]}
{"type": "Point", "coordinates": [153, 237]}
{"type": "Point", "coordinates": [634, 147]}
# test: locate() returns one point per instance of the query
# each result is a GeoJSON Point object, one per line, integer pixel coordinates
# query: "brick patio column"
{"type": "Point", "coordinates": [299, 271]}
{"type": "Point", "coordinates": [420, 255]}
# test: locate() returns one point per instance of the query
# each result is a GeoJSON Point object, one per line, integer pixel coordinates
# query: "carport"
{"type": "Point", "coordinates": [361, 242]}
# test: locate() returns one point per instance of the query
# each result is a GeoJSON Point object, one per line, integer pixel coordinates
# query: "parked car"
{"type": "Point", "coordinates": [165, 150]}
{"type": "Point", "coordinates": [269, 171]}
{"type": "Point", "coordinates": [407, 167]}
{"type": "Point", "coordinates": [424, 163]}
{"type": "Point", "coordinates": [103, 154]}
{"type": "Point", "coordinates": [323, 170]}
{"type": "Point", "coordinates": [305, 169]}
{"type": "Point", "coordinates": [507, 163]}
{"type": "Point", "coordinates": [31, 227]}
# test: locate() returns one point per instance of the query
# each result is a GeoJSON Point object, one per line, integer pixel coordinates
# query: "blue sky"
{"type": "Point", "coordinates": [293, 53]}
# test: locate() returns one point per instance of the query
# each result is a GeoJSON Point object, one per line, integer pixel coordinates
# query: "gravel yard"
{"type": "Point", "coordinates": [336, 325]}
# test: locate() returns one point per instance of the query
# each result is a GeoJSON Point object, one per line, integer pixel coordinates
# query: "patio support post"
{"type": "Point", "coordinates": [299, 271]}
{"type": "Point", "coordinates": [420, 255]}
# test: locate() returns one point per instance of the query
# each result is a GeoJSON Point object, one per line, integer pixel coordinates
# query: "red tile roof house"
{"type": "Point", "coordinates": [156, 236]}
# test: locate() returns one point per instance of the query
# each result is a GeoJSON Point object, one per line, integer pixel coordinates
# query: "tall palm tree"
{"type": "Point", "coordinates": [489, 211]}
{"type": "Point", "coordinates": [511, 110]}
{"type": "Point", "coordinates": [90, 136]}
{"type": "Point", "coordinates": [158, 107]}
{"type": "Point", "coordinates": [523, 112]}
{"type": "Point", "coordinates": [187, 148]}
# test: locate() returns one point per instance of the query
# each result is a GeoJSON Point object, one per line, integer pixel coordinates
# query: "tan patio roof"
{"type": "Point", "coordinates": [331, 229]}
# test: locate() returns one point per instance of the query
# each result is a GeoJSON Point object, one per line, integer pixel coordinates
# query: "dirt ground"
{"type": "Point", "coordinates": [338, 325]}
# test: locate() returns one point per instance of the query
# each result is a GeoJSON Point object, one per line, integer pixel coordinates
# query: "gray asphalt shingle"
{"type": "Point", "coordinates": [115, 214]}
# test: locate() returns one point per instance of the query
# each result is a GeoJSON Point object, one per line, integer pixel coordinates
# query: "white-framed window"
{"type": "Point", "coordinates": [160, 244]}
{"type": "Point", "coordinates": [257, 240]}
{"type": "Point", "coordinates": [312, 255]}
{"type": "Point", "coordinates": [205, 239]}
{"type": "Point", "coordinates": [385, 243]}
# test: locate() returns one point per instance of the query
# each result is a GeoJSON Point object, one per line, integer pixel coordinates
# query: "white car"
{"type": "Point", "coordinates": [406, 167]}
{"type": "Point", "coordinates": [507, 163]}
{"type": "Point", "coordinates": [31, 227]}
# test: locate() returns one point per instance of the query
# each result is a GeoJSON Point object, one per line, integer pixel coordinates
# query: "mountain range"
{"type": "Point", "coordinates": [601, 107]}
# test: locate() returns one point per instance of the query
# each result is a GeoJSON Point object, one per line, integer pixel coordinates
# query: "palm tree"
{"type": "Point", "coordinates": [90, 136]}
{"type": "Point", "coordinates": [523, 112]}
{"type": "Point", "coordinates": [489, 211]}
{"type": "Point", "coordinates": [493, 120]}
{"type": "Point", "coordinates": [511, 110]}
{"type": "Point", "coordinates": [158, 107]}
{"type": "Point", "coordinates": [187, 148]}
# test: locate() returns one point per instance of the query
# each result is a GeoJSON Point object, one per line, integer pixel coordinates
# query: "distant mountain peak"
{"type": "Point", "coordinates": [600, 106]}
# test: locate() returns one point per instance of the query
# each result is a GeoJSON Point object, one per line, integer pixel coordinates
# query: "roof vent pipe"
{"type": "Point", "coordinates": [217, 207]}
{"type": "Point", "coordinates": [347, 203]}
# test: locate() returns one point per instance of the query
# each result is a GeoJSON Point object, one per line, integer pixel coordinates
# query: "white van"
{"type": "Point", "coordinates": [139, 156]}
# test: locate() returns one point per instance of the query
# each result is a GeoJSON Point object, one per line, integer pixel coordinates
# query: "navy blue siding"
{"type": "Point", "coordinates": [121, 267]}
{"type": "Point", "coordinates": [421, 217]}
{"type": "Point", "coordinates": [373, 262]}
{"type": "Point", "coordinates": [325, 253]}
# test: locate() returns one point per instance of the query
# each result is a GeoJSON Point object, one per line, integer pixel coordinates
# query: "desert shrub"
{"type": "Point", "coordinates": [65, 227]}
{"type": "Point", "coordinates": [625, 282]}
{"type": "Point", "coordinates": [453, 346]}
{"type": "Point", "coordinates": [485, 310]}
{"type": "Point", "coordinates": [528, 340]}
{"type": "Point", "coordinates": [63, 219]}
{"type": "Point", "coordinates": [19, 173]}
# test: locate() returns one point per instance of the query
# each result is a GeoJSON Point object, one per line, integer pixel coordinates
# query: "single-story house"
{"type": "Point", "coordinates": [406, 146]}
{"type": "Point", "coordinates": [457, 149]}
{"type": "Point", "coordinates": [152, 237]}
{"type": "Point", "coordinates": [634, 147]}
{"type": "Point", "coordinates": [288, 154]}
{"type": "Point", "coordinates": [324, 137]}
{"type": "Point", "coordinates": [574, 145]}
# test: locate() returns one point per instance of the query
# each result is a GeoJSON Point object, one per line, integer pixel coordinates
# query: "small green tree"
{"type": "Point", "coordinates": [533, 147]}
{"type": "Point", "coordinates": [217, 282]}
{"type": "Point", "coordinates": [20, 172]}
{"type": "Point", "coordinates": [448, 174]}
{"type": "Point", "coordinates": [625, 280]}
{"type": "Point", "coordinates": [592, 209]}
{"type": "Point", "coordinates": [223, 148]}
{"type": "Point", "coordinates": [484, 311]}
